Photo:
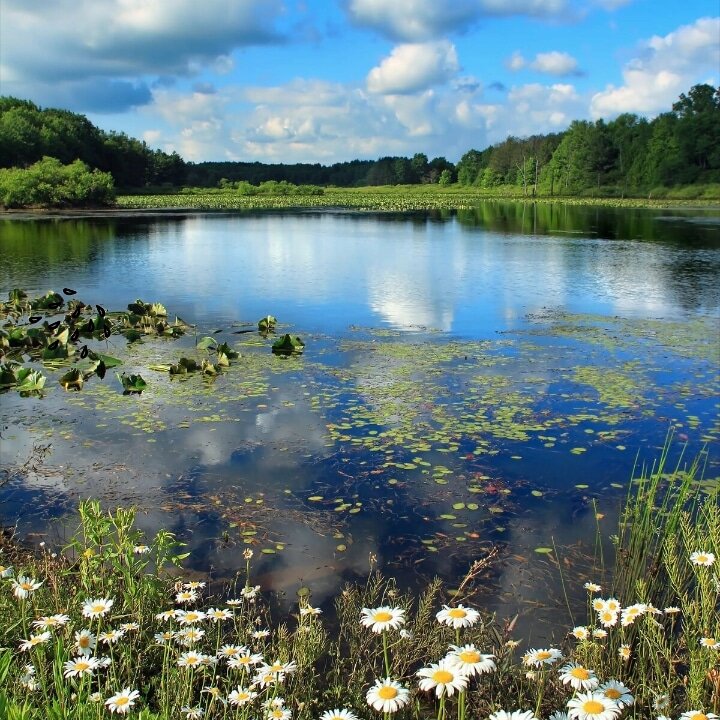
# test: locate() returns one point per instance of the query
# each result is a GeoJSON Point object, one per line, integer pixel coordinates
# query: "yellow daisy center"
{"type": "Point", "coordinates": [98, 607]}
{"type": "Point", "coordinates": [469, 656]}
{"type": "Point", "coordinates": [84, 641]}
{"type": "Point", "coordinates": [710, 641]}
{"type": "Point", "coordinates": [82, 666]}
{"type": "Point", "coordinates": [26, 586]}
{"type": "Point", "coordinates": [122, 701]}
{"type": "Point", "coordinates": [543, 655]}
{"type": "Point", "coordinates": [456, 613]}
{"type": "Point", "coordinates": [593, 707]}
{"type": "Point", "coordinates": [191, 660]}
{"type": "Point", "coordinates": [387, 692]}
{"type": "Point", "coordinates": [699, 716]}
{"type": "Point", "coordinates": [442, 677]}
{"type": "Point", "coordinates": [612, 693]}
{"type": "Point", "coordinates": [277, 713]}
{"type": "Point", "coordinates": [580, 673]}
{"type": "Point", "coordinates": [383, 616]}
{"type": "Point", "coordinates": [700, 559]}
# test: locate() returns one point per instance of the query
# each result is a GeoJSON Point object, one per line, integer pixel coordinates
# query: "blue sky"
{"type": "Point", "coordinates": [332, 80]}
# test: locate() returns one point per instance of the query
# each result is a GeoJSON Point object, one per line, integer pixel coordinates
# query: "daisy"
{"type": "Point", "coordinates": [249, 593]}
{"type": "Point", "coordinates": [279, 713]}
{"type": "Point", "coordinates": [141, 549]}
{"type": "Point", "coordinates": [599, 633]}
{"type": "Point", "coordinates": [111, 636]}
{"type": "Point", "coordinates": [123, 701]}
{"type": "Point", "coordinates": [164, 637]}
{"type": "Point", "coordinates": [24, 586]}
{"type": "Point", "coordinates": [81, 665]}
{"type": "Point", "coordinates": [49, 621]}
{"type": "Point", "coordinates": [279, 667]}
{"type": "Point", "coordinates": [624, 652]}
{"type": "Point", "coordinates": [168, 614]}
{"type": "Point", "coordinates": [267, 679]}
{"type": "Point", "coordinates": [188, 636]}
{"type": "Point", "coordinates": [245, 660]}
{"type": "Point", "coordinates": [6, 571]}
{"type": "Point", "coordinates": [241, 696]}
{"type": "Point", "coordinates": [617, 692]}
{"type": "Point", "coordinates": [186, 596]}
{"type": "Point", "coordinates": [97, 608]}
{"type": "Point", "coordinates": [28, 679]}
{"type": "Point", "coordinates": [457, 617]}
{"type": "Point", "coordinates": [672, 610]}
{"type": "Point", "coordinates": [382, 618]}
{"type": "Point", "coordinates": [698, 715]}
{"type": "Point", "coordinates": [470, 660]}
{"type": "Point", "coordinates": [192, 713]}
{"type": "Point", "coordinates": [128, 627]}
{"type": "Point", "coordinates": [592, 706]}
{"type": "Point", "coordinates": [632, 613]}
{"type": "Point", "coordinates": [188, 617]}
{"type": "Point", "coordinates": [710, 642]}
{"type": "Point", "coordinates": [34, 640]}
{"type": "Point", "coordinates": [578, 677]}
{"type": "Point", "coordinates": [541, 657]}
{"type": "Point", "coordinates": [580, 632]}
{"type": "Point", "coordinates": [443, 677]}
{"type": "Point", "coordinates": [559, 715]}
{"type": "Point", "coordinates": [309, 610]}
{"type": "Point", "coordinates": [387, 696]}
{"type": "Point", "coordinates": [598, 604]}
{"type": "Point", "coordinates": [700, 557]}
{"type": "Point", "coordinates": [592, 587]}
{"type": "Point", "coordinates": [230, 651]}
{"type": "Point", "coordinates": [234, 602]}
{"type": "Point", "coordinates": [194, 585]}
{"type": "Point", "coordinates": [216, 614]}
{"type": "Point", "coordinates": [514, 715]}
{"type": "Point", "coordinates": [85, 642]}
{"type": "Point", "coordinates": [191, 659]}
{"type": "Point", "coordinates": [260, 634]}
{"type": "Point", "coordinates": [343, 714]}
{"type": "Point", "coordinates": [608, 618]}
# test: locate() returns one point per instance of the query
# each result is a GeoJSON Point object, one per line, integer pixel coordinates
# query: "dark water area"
{"type": "Point", "coordinates": [472, 382]}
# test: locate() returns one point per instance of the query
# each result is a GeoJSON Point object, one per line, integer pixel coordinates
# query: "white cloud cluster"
{"type": "Point", "coordinates": [414, 67]}
{"type": "Point", "coordinates": [665, 67]}
{"type": "Point", "coordinates": [550, 63]}
{"type": "Point", "coordinates": [67, 51]}
{"type": "Point", "coordinates": [417, 20]}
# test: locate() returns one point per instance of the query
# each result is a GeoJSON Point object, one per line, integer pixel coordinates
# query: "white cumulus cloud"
{"type": "Point", "coordinates": [664, 67]}
{"type": "Point", "coordinates": [414, 67]}
{"type": "Point", "coordinates": [550, 63]}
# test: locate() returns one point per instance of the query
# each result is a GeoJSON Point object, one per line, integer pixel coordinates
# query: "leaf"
{"type": "Point", "coordinates": [287, 345]}
{"type": "Point", "coordinates": [132, 384]}
{"type": "Point", "coordinates": [206, 343]}
{"type": "Point", "coordinates": [267, 324]}
{"type": "Point", "coordinates": [543, 550]}
{"type": "Point", "coordinates": [73, 379]}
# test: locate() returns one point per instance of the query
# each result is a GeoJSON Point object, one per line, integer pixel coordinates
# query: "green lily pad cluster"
{"type": "Point", "coordinates": [25, 380]}
{"type": "Point", "coordinates": [288, 345]}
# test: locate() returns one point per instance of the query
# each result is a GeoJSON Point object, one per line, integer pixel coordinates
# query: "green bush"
{"type": "Point", "coordinates": [49, 183]}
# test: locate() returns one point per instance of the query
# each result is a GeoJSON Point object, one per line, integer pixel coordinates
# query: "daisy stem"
{"type": "Point", "coordinates": [457, 636]}
{"type": "Point", "coordinates": [541, 692]}
{"type": "Point", "coordinates": [385, 654]}
{"type": "Point", "coordinates": [441, 708]}
{"type": "Point", "coordinates": [461, 705]}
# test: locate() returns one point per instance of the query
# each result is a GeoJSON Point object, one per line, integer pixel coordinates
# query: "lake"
{"type": "Point", "coordinates": [473, 382]}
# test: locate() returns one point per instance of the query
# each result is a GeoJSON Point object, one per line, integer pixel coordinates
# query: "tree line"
{"type": "Point", "coordinates": [627, 155]}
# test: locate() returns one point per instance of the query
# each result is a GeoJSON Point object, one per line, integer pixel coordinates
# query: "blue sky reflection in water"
{"type": "Point", "coordinates": [463, 375]}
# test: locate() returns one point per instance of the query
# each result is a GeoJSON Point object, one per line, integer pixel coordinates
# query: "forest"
{"type": "Point", "coordinates": [626, 156]}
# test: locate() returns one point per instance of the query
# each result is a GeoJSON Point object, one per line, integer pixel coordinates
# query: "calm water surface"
{"type": "Point", "coordinates": [471, 380]}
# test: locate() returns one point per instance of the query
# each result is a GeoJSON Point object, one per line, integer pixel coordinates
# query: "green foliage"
{"type": "Point", "coordinates": [49, 183]}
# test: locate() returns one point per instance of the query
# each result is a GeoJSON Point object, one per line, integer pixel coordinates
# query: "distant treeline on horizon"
{"type": "Point", "coordinates": [625, 155]}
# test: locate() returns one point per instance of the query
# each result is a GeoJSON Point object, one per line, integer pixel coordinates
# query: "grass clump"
{"type": "Point", "coordinates": [109, 627]}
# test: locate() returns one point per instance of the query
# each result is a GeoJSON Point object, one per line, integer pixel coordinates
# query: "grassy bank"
{"type": "Point", "coordinates": [110, 624]}
{"type": "Point", "coordinates": [397, 198]}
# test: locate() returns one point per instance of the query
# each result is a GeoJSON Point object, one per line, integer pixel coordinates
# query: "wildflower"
{"type": "Point", "coordinates": [188, 617]}
{"type": "Point", "coordinates": [95, 697]}
{"type": "Point", "coordinates": [188, 636]}
{"type": "Point", "coordinates": [470, 660]}
{"type": "Point", "coordinates": [194, 585]}
{"type": "Point", "coordinates": [672, 610]}
{"type": "Point", "coordinates": [191, 659]}
{"type": "Point", "coordinates": [97, 608]}
{"type": "Point", "coordinates": [608, 618]}
{"type": "Point", "coordinates": [230, 651]}
{"type": "Point", "coordinates": [592, 706]}
{"type": "Point", "coordinates": [24, 586]}
{"type": "Point", "coordinates": [617, 692]}
{"type": "Point", "coordinates": [661, 702]}
{"type": "Point", "coordinates": [85, 642]}
{"type": "Point", "coordinates": [81, 665]}
{"type": "Point", "coordinates": [141, 549]}
{"type": "Point", "coordinates": [245, 660]}
{"type": "Point", "coordinates": [241, 696]}
{"type": "Point", "coordinates": [217, 614]}
{"type": "Point", "coordinates": [592, 587]}
{"type": "Point", "coordinates": [580, 632]}
{"type": "Point", "coordinates": [599, 633]}
{"type": "Point", "coordinates": [624, 652]}
{"type": "Point", "coordinates": [28, 679]}
{"type": "Point", "coordinates": [406, 634]}
{"type": "Point", "coordinates": [49, 621]}
{"type": "Point", "coordinates": [458, 617]}
{"type": "Point", "coordinates": [514, 715]}
{"type": "Point", "coordinates": [698, 715]}
{"type": "Point", "coordinates": [279, 713]}
{"type": "Point", "coordinates": [168, 614]}
{"type": "Point", "coordinates": [309, 610]}
{"type": "Point", "coordinates": [632, 613]}
{"type": "Point", "coordinates": [6, 571]}
{"type": "Point", "coordinates": [278, 667]}
{"type": "Point", "coordinates": [512, 644]}
{"type": "Point", "coordinates": [339, 715]}
{"type": "Point", "coordinates": [34, 640]}
{"type": "Point", "coordinates": [387, 696]}
{"type": "Point", "coordinates": [247, 553]}
{"type": "Point", "coordinates": [249, 593]}
{"type": "Point", "coordinates": [260, 634]}
{"type": "Point", "coordinates": [214, 692]}
{"type": "Point", "coordinates": [541, 657]}
{"type": "Point", "coordinates": [559, 715]}
{"type": "Point", "coordinates": [111, 636]}
{"type": "Point", "coordinates": [128, 627]}
{"type": "Point", "coordinates": [234, 602]}
{"type": "Point", "coordinates": [702, 558]}
{"type": "Point", "coordinates": [578, 677]}
{"type": "Point", "coordinates": [443, 677]}
{"type": "Point", "coordinates": [382, 618]}
{"type": "Point", "coordinates": [164, 637]}
{"type": "Point", "coordinates": [104, 661]}
{"type": "Point", "coordinates": [192, 713]}
{"type": "Point", "coordinates": [186, 596]}
{"type": "Point", "coordinates": [710, 642]}
{"type": "Point", "coordinates": [266, 679]}
{"type": "Point", "coordinates": [123, 701]}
